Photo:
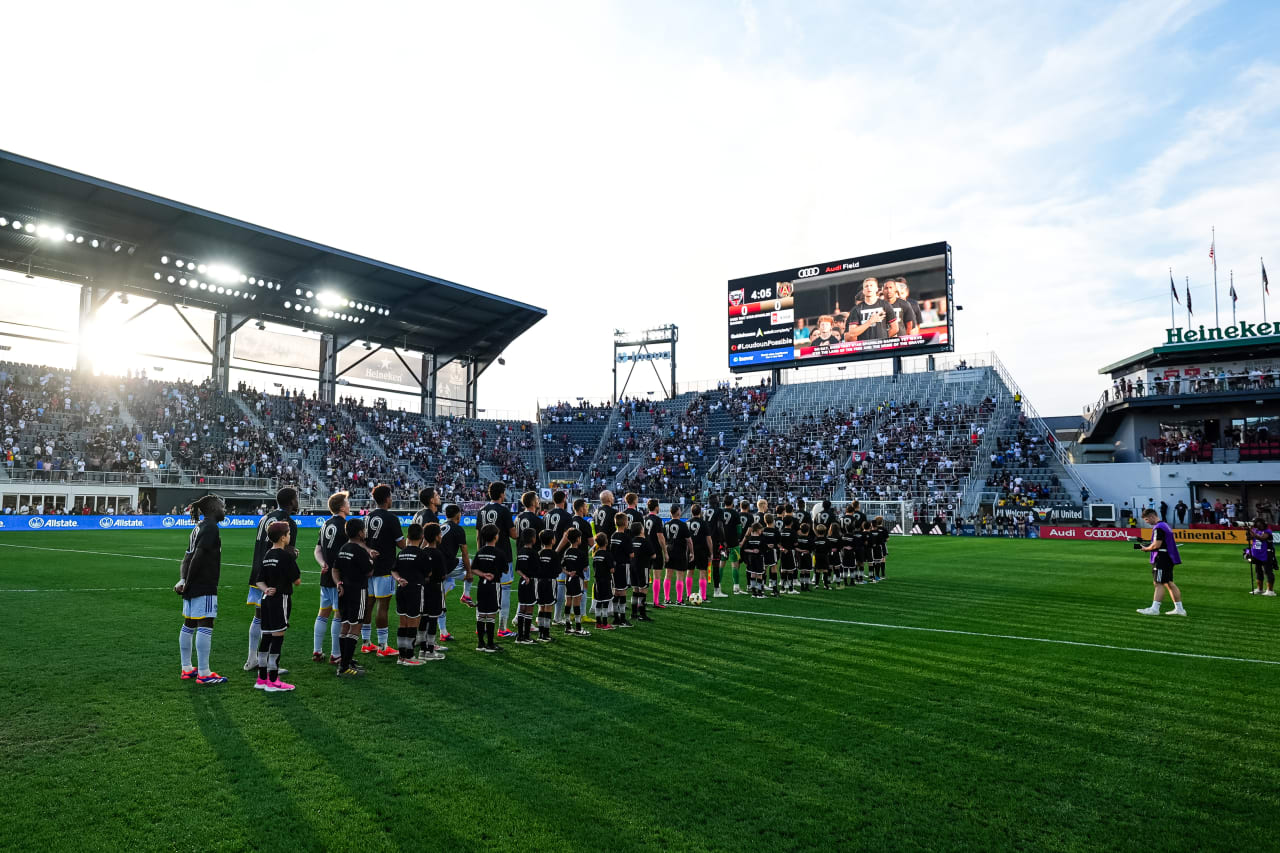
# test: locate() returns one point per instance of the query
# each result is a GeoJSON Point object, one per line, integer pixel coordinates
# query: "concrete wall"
{"type": "Point", "coordinates": [1118, 482]}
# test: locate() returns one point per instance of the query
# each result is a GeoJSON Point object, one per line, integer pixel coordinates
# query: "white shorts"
{"type": "Point", "coordinates": [329, 596]}
{"type": "Point", "coordinates": [255, 597]}
{"type": "Point", "coordinates": [382, 586]}
{"type": "Point", "coordinates": [200, 607]}
{"type": "Point", "coordinates": [453, 577]}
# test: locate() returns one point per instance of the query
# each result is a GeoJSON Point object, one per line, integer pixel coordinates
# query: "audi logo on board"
{"type": "Point", "coordinates": [808, 272]}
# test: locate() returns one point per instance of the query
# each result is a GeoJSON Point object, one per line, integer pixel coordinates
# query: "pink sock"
{"type": "Point", "coordinates": [666, 589]}
{"type": "Point", "coordinates": [702, 587]}
{"type": "Point", "coordinates": [656, 584]}
{"type": "Point", "coordinates": [679, 591]}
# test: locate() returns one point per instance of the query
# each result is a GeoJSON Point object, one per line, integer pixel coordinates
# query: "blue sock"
{"type": "Point", "coordinates": [382, 637]}
{"type": "Point", "coordinates": [186, 640]}
{"type": "Point", "coordinates": [204, 642]}
{"type": "Point", "coordinates": [364, 634]}
{"type": "Point", "coordinates": [322, 625]}
{"type": "Point", "coordinates": [443, 613]}
{"type": "Point", "coordinates": [255, 635]}
{"type": "Point", "coordinates": [335, 645]}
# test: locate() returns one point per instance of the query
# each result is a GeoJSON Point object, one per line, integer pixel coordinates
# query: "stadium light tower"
{"type": "Point", "coordinates": [637, 348]}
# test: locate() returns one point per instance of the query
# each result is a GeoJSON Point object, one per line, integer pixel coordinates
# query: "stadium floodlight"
{"type": "Point", "coordinates": [157, 276]}
{"type": "Point", "coordinates": [307, 309]}
{"type": "Point", "coordinates": [310, 294]}
{"type": "Point", "coordinates": [202, 269]}
{"type": "Point", "coordinates": [79, 238]}
{"type": "Point", "coordinates": [297, 306]}
{"type": "Point", "coordinates": [117, 247]}
{"type": "Point", "coordinates": [327, 298]}
{"type": "Point", "coordinates": [244, 279]}
{"type": "Point", "coordinates": [17, 226]}
{"type": "Point", "coordinates": [179, 263]}
{"type": "Point", "coordinates": [71, 238]}
{"type": "Point", "coordinates": [30, 228]}
{"type": "Point", "coordinates": [164, 259]}
{"type": "Point", "coordinates": [94, 243]}
{"type": "Point", "coordinates": [253, 280]}
{"type": "Point", "coordinates": [222, 273]}
{"type": "Point", "coordinates": [3, 222]}
{"type": "Point", "coordinates": [171, 279]}
{"type": "Point", "coordinates": [288, 304]}
{"type": "Point", "coordinates": [182, 281]}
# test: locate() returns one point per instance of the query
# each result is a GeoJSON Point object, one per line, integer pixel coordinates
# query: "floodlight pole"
{"type": "Point", "coordinates": [328, 372]}
{"type": "Point", "coordinates": [88, 310]}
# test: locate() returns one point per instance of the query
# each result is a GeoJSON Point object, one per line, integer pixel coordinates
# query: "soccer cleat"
{"type": "Point", "coordinates": [1177, 612]}
{"type": "Point", "coordinates": [1149, 611]}
{"type": "Point", "coordinates": [504, 633]}
{"type": "Point", "coordinates": [318, 657]}
{"type": "Point", "coordinates": [251, 664]}
{"type": "Point", "coordinates": [432, 656]}
{"type": "Point", "coordinates": [582, 632]}
{"type": "Point", "coordinates": [605, 627]}
{"type": "Point", "coordinates": [526, 642]}
{"type": "Point", "coordinates": [388, 652]}
{"type": "Point", "coordinates": [211, 678]}
{"type": "Point", "coordinates": [349, 672]}
{"type": "Point", "coordinates": [479, 648]}
{"type": "Point", "coordinates": [441, 648]}
{"type": "Point", "coordinates": [335, 659]}
{"type": "Point", "coordinates": [188, 674]}
{"type": "Point", "coordinates": [1271, 593]}
{"type": "Point", "coordinates": [277, 686]}
{"type": "Point", "coordinates": [490, 649]}
{"type": "Point", "coordinates": [626, 623]}
{"type": "Point", "coordinates": [641, 619]}
{"type": "Point", "coordinates": [368, 648]}
{"type": "Point", "coordinates": [409, 662]}
{"type": "Point", "coordinates": [260, 684]}
{"type": "Point", "coordinates": [466, 599]}
{"type": "Point", "coordinates": [547, 639]}
{"type": "Point", "coordinates": [660, 606]}
{"type": "Point", "coordinates": [1255, 592]}
{"type": "Point", "coordinates": [719, 594]}
{"type": "Point", "coordinates": [446, 637]}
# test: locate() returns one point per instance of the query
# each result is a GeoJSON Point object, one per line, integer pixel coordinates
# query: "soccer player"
{"type": "Point", "coordinates": [410, 593]}
{"type": "Point", "coordinates": [286, 506]}
{"type": "Point", "coordinates": [581, 522]}
{"type": "Point", "coordinates": [602, 591]}
{"type": "Point", "coordinates": [803, 556]}
{"type": "Point", "coordinates": [769, 546]}
{"type": "Point", "coordinates": [753, 550]}
{"type": "Point", "coordinates": [880, 546]}
{"type": "Point", "coordinates": [333, 535]}
{"type": "Point", "coordinates": [526, 585]}
{"type": "Point", "coordinates": [900, 312]}
{"type": "Point", "coordinates": [703, 548]}
{"type": "Point", "coordinates": [621, 548]}
{"type": "Point", "coordinates": [435, 568]}
{"type": "Point", "coordinates": [604, 514]}
{"type": "Point", "coordinates": [1262, 554]}
{"type": "Point", "coordinates": [656, 542]}
{"type": "Point", "coordinates": [743, 524]}
{"type": "Point", "coordinates": [788, 528]}
{"type": "Point", "coordinates": [351, 574]}
{"type": "Point", "coordinates": [824, 517]}
{"type": "Point", "coordinates": [574, 565]}
{"type": "Point", "coordinates": [489, 567]}
{"type": "Point", "coordinates": [822, 555]}
{"type": "Point", "coordinates": [866, 541]}
{"type": "Point", "coordinates": [1164, 556]}
{"type": "Point", "coordinates": [849, 535]}
{"type": "Point", "coordinates": [548, 570]}
{"type": "Point", "coordinates": [679, 554]}
{"type": "Point", "coordinates": [641, 576]}
{"type": "Point", "coordinates": [277, 576]}
{"type": "Point", "coordinates": [198, 586]}
{"type": "Point", "coordinates": [384, 537]}
{"type": "Point", "coordinates": [497, 513]}
{"type": "Point", "coordinates": [558, 521]}
{"type": "Point", "coordinates": [457, 562]}
{"type": "Point", "coordinates": [730, 536]}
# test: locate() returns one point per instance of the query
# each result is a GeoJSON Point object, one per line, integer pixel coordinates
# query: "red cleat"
{"type": "Point", "coordinates": [368, 648]}
{"type": "Point", "coordinates": [466, 599]}
{"type": "Point", "coordinates": [188, 674]}
{"type": "Point", "coordinates": [446, 637]}
{"type": "Point", "coordinates": [388, 652]}
{"type": "Point", "coordinates": [318, 657]}
{"type": "Point", "coordinates": [335, 659]}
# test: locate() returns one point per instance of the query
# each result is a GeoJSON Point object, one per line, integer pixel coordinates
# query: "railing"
{"type": "Point", "coordinates": [178, 477]}
{"type": "Point", "coordinates": [100, 478]}
{"type": "Point", "coordinates": [1185, 386]}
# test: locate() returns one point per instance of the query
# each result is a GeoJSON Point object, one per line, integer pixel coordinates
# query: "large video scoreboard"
{"type": "Point", "coordinates": [892, 303]}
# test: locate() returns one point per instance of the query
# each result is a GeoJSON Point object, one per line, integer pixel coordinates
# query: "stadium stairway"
{"type": "Point", "coordinates": [152, 449]}
{"type": "Point", "coordinates": [303, 461]}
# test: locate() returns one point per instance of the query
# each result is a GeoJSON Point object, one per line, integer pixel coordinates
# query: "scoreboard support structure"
{"type": "Point", "coordinates": [637, 349]}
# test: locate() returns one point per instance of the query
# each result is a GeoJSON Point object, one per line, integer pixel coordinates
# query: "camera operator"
{"type": "Point", "coordinates": [1262, 554]}
{"type": "Point", "coordinates": [1164, 556]}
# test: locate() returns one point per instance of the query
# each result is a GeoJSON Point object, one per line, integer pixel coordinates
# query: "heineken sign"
{"type": "Point", "coordinates": [1230, 333]}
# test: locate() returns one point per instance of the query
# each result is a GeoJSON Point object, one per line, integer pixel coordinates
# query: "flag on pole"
{"type": "Point", "coordinates": [1233, 293]}
{"type": "Point", "coordinates": [1211, 249]}
{"type": "Point", "coordinates": [1190, 310]}
{"type": "Point", "coordinates": [1266, 288]}
{"type": "Point", "coordinates": [1174, 290]}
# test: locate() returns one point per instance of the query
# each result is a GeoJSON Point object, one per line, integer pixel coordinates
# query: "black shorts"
{"type": "Point", "coordinates": [527, 593]}
{"type": "Point", "coordinates": [573, 586]}
{"type": "Point", "coordinates": [679, 564]}
{"type": "Point", "coordinates": [409, 600]}
{"type": "Point", "coordinates": [546, 591]}
{"type": "Point", "coordinates": [432, 601]}
{"type": "Point", "coordinates": [353, 604]}
{"type": "Point", "coordinates": [274, 612]}
{"type": "Point", "coordinates": [700, 562]}
{"type": "Point", "coordinates": [848, 558]}
{"type": "Point", "coordinates": [658, 563]}
{"type": "Point", "coordinates": [603, 590]}
{"type": "Point", "coordinates": [621, 579]}
{"type": "Point", "coordinates": [1162, 571]}
{"type": "Point", "coordinates": [639, 578]}
{"type": "Point", "coordinates": [804, 562]}
{"type": "Point", "coordinates": [755, 564]}
{"type": "Point", "coordinates": [486, 597]}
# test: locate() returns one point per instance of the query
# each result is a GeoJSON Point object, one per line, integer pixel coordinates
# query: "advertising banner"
{"type": "Point", "coordinates": [1221, 536]}
{"type": "Point", "coordinates": [1097, 534]}
{"type": "Point", "coordinates": [53, 523]}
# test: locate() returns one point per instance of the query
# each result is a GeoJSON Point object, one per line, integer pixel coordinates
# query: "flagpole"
{"type": "Point", "coordinates": [1263, 264]}
{"type": "Point", "coordinates": [1213, 256]}
{"type": "Point", "coordinates": [1232, 273]}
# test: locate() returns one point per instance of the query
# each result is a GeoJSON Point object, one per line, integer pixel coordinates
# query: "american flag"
{"type": "Point", "coordinates": [1210, 251]}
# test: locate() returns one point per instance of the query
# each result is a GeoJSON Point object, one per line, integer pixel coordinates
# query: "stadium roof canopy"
{"type": "Point", "coordinates": [109, 236]}
{"type": "Point", "coordinates": [1200, 352]}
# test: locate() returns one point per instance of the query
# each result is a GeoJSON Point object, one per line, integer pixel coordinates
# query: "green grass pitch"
{"type": "Point", "coordinates": [707, 730]}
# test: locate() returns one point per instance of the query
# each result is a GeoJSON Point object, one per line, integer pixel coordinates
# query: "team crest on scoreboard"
{"type": "Point", "coordinates": [736, 297]}
{"type": "Point", "coordinates": [785, 289]}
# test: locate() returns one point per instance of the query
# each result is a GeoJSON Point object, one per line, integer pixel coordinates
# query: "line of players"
{"type": "Point", "coordinates": [628, 554]}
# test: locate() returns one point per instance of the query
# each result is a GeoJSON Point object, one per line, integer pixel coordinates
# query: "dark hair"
{"type": "Point", "coordinates": [630, 498]}
{"type": "Point", "coordinates": [354, 527]}
{"type": "Point", "coordinates": [381, 493]}
{"type": "Point", "coordinates": [414, 533]}
{"type": "Point", "coordinates": [546, 539]}
{"type": "Point", "coordinates": [529, 500]}
{"type": "Point", "coordinates": [488, 533]}
{"type": "Point", "coordinates": [452, 510]}
{"type": "Point", "coordinates": [430, 532]}
{"type": "Point", "coordinates": [621, 521]}
{"type": "Point", "coordinates": [602, 541]}
{"type": "Point", "coordinates": [804, 527]}
{"type": "Point", "coordinates": [579, 503]}
{"type": "Point", "coordinates": [286, 496]}
{"type": "Point", "coordinates": [496, 490]}
{"type": "Point", "coordinates": [276, 529]}
{"type": "Point", "coordinates": [558, 496]}
{"type": "Point", "coordinates": [528, 536]}
{"type": "Point", "coordinates": [652, 504]}
{"type": "Point", "coordinates": [728, 501]}
{"type": "Point", "coordinates": [786, 508]}
{"type": "Point", "coordinates": [573, 535]}
{"type": "Point", "coordinates": [1149, 512]}
{"type": "Point", "coordinates": [336, 500]}
{"type": "Point", "coordinates": [637, 528]}
{"type": "Point", "coordinates": [696, 509]}
{"type": "Point", "coordinates": [425, 496]}
{"type": "Point", "coordinates": [203, 506]}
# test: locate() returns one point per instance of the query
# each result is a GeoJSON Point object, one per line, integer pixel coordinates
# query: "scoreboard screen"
{"type": "Point", "coordinates": [892, 303]}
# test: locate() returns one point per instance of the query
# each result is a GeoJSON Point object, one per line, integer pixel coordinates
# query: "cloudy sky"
{"type": "Point", "coordinates": [615, 163]}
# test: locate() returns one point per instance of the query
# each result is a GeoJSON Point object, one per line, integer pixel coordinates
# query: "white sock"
{"type": "Point", "coordinates": [255, 635]}
{"type": "Point", "coordinates": [1155, 605]}
{"type": "Point", "coordinates": [1177, 605]}
{"type": "Point", "coordinates": [204, 643]}
{"type": "Point", "coordinates": [335, 628]}
{"type": "Point", "coordinates": [186, 640]}
{"type": "Point", "coordinates": [317, 635]}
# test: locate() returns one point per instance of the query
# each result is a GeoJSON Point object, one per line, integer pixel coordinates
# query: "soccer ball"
{"type": "Point", "coordinates": [695, 599]}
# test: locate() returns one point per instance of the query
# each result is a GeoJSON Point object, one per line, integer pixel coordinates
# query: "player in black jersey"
{"type": "Point", "coordinates": [753, 552]}
{"type": "Point", "coordinates": [703, 542]}
{"type": "Point", "coordinates": [824, 516]}
{"type": "Point", "coordinates": [745, 520]}
{"type": "Point", "coordinates": [286, 506]}
{"type": "Point", "coordinates": [848, 552]}
{"type": "Point", "coordinates": [870, 320]}
{"type": "Point", "coordinates": [656, 542]}
{"type": "Point", "coordinates": [548, 570]}
{"type": "Point", "coordinates": [602, 589]}
{"type": "Point", "coordinates": [621, 547]}
{"type": "Point", "coordinates": [822, 556]}
{"type": "Point", "coordinates": [604, 514]}
{"type": "Point", "coordinates": [198, 585]}
{"type": "Point", "coordinates": [558, 521]}
{"type": "Point", "coordinates": [497, 513]}
{"type": "Point", "coordinates": [435, 568]}
{"type": "Point", "coordinates": [679, 555]}
{"type": "Point", "coordinates": [788, 528]}
{"type": "Point", "coordinates": [769, 544]}
{"type": "Point", "coordinates": [333, 535]}
{"type": "Point", "coordinates": [803, 515]}
{"type": "Point", "coordinates": [351, 572]}
{"type": "Point", "coordinates": [880, 547]}
{"type": "Point", "coordinates": [573, 565]}
{"type": "Point", "coordinates": [488, 567]}
{"type": "Point", "coordinates": [410, 577]}
{"type": "Point", "coordinates": [581, 522]}
{"type": "Point", "coordinates": [529, 519]}
{"type": "Point", "coordinates": [730, 537]}
{"type": "Point", "coordinates": [526, 580]}
{"type": "Point", "coordinates": [803, 556]}
{"type": "Point", "coordinates": [862, 544]}
{"type": "Point", "coordinates": [277, 576]}
{"type": "Point", "coordinates": [457, 563]}
{"type": "Point", "coordinates": [641, 574]}
{"type": "Point", "coordinates": [383, 533]}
